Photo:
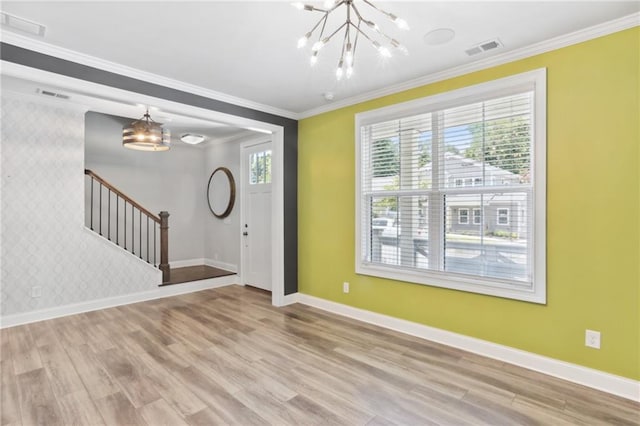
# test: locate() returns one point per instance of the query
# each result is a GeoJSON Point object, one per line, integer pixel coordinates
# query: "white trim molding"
{"type": "Point", "coordinates": [109, 302]}
{"type": "Point", "coordinates": [186, 262]}
{"type": "Point", "coordinates": [102, 64]}
{"type": "Point", "coordinates": [222, 265]}
{"type": "Point", "coordinates": [565, 40]}
{"type": "Point", "coordinates": [585, 34]}
{"type": "Point", "coordinates": [600, 380]}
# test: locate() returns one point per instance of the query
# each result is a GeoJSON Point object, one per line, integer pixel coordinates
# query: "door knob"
{"type": "Point", "coordinates": [245, 233]}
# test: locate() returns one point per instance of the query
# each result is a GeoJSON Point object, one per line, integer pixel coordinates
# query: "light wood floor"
{"type": "Point", "coordinates": [226, 356]}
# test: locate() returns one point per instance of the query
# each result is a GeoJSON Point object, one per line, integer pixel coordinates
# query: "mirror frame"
{"type": "Point", "coordinates": [232, 192]}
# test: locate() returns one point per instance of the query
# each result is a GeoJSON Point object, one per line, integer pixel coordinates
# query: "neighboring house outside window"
{"type": "Point", "coordinates": [460, 180]}
{"type": "Point", "coordinates": [477, 216]}
{"type": "Point", "coordinates": [463, 216]}
{"type": "Point", "coordinates": [503, 217]}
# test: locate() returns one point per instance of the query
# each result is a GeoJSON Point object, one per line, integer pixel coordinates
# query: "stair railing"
{"type": "Point", "coordinates": [123, 221]}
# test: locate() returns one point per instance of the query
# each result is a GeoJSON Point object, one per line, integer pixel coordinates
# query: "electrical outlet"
{"type": "Point", "coordinates": [345, 287]}
{"type": "Point", "coordinates": [36, 291]}
{"type": "Point", "coordinates": [592, 339]}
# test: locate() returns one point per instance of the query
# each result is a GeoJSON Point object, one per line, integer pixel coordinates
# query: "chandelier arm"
{"type": "Point", "coordinates": [318, 23]}
{"type": "Point", "coordinates": [324, 24]}
{"type": "Point", "coordinates": [336, 5]}
{"type": "Point", "coordinates": [363, 33]}
{"type": "Point", "coordinates": [387, 14]}
{"type": "Point", "coordinates": [336, 31]}
{"type": "Point", "coordinates": [355, 44]}
{"type": "Point", "coordinates": [344, 44]}
{"type": "Point", "coordinates": [355, 9]}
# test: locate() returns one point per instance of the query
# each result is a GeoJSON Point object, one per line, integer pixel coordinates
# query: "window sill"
{"type": "Point", "coordinates": [497, 288]}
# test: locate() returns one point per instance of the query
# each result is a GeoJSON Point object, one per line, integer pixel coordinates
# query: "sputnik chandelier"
{"type": "Point", "coordinates": [354, 27]}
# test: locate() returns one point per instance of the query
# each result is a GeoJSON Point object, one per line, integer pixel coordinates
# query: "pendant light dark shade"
{"type": "Point", "coordinates": [146, 135]}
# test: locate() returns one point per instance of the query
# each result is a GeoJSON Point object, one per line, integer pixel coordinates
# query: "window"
{"type": "Point", "coordinates": [503, 216]}
{"type": "Point", "coordinates": [432, 163]}
{"type": "Point", "coordinates": [463, 216]}
{"type": "Point", "coordinates": [260, 167]}
{"type": "Point", "coordinates": [477, 216]}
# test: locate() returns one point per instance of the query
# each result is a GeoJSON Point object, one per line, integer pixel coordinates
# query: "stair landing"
{"type": "Point", "coordinates": [195, 273]}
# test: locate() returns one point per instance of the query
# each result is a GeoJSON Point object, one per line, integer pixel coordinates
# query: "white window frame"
{"type": "Point", "coordinates": [479, 222]}
{"type": "Point", "coordinates": [498, 216]}
{"type": "Point", "coordinates": [535, 292]}
{"type": "Point", "coordinates": [460, 222]}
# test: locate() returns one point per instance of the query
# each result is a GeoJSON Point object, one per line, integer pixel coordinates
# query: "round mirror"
{"type": "Point", "coordinates": [221, 192]}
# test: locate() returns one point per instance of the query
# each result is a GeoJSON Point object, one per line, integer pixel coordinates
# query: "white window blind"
{"type": "Point", "coordinates": [456, 183]}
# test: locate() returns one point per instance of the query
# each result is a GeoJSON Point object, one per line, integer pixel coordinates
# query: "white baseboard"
{"type": "Point", "coordinates": [222, 265]}
{"type": "Point", "coordinates": [186, 262]}
{"type": "Point", "coordinates": [93, 305]}
{"type": "Point", "coordinates": [606, 382]}
{"type": "Point", "coordinates": [203, 261]}
{"type": "Point", "coordinates": [290, 299]}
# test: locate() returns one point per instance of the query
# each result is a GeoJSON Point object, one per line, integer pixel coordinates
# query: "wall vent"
{"type": "Point", "coordinates": [483, 47]}
{"type": "Point", "coordinates": [52, 94]}
{"type": "Point", "coordinates": [20, 24]}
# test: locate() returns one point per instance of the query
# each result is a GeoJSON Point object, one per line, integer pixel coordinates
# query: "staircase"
{"type": "Point", "coordinates": [121, 220]}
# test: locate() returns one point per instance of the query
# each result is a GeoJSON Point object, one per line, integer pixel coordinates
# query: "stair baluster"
{"type": "Point", "coordinates": [160, 224]}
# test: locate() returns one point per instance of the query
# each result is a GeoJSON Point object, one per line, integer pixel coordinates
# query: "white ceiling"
{"type": "Point", "coordinates": [248, 49]}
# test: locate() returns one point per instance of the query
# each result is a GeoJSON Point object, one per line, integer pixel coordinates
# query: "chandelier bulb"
{"type": "Point", "coordinates": [328, 4]}
{"type": "Point", "coordinates": [314, 58]}
{"type": "Point", "coordinates": [384, 52]}
{"type": "Point", "coordinates": [319, 44]}
{"type": "Point", "coordinates": [373, 25]}
{"type": "Point", "coordinates": [303, 40]}
{"type": "Point", "coordinates": [401, 23]}
{"type": "Point", "coordinates": [349, 72]}
{"type": "Point", "coordinates": [339, 74]}
{"type": "Point", "coordinates": [298, 5]}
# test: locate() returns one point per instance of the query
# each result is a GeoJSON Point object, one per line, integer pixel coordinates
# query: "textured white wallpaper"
{"type": "Point", "coordinates": [43, 239]}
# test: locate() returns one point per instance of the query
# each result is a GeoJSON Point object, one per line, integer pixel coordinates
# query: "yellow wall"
{"type": "Point", "coordinates": [593, 209]}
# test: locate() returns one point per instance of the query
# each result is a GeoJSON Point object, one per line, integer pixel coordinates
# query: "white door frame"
{"type": "Point", "coordinates": [99, 91]}
{"type": "Point", "coordinates": [277, 212]}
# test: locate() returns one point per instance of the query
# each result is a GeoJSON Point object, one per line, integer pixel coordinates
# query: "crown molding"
{"type": "Point", "coordinates": [555, 43]}
{"type": "Point", "coordinates": [95, 62]}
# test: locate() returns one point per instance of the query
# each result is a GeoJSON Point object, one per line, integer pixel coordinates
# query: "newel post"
{"type": "Point", "coordinates": [164, 246]}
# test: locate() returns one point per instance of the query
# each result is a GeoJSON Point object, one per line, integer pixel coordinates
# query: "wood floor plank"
{"type": "Point", "coordinates": [62, 374]}
{"type": "Point", "coordinates": [160, 413]}
{"type": "Point", "coordinates": [93, 375]}
{"type": "Point", "coordinates": [78, 409]}
{"type": "Point", "coordinates": [116, 409]}
{"type": "Point", "coordinates": [42, 333]}
{"type": "Point", "coordinates": [24, 351]}
{"type": "Point", "coordinates": [223, 405]}
{"type": "Point", "coordinates": [226, 356]}
{"type": "Point", "coordinates": [37, 401]}
{"type": "Point", "coordinates": [10, 397]}
{"type": "Point", "coordinates": [170, 388]}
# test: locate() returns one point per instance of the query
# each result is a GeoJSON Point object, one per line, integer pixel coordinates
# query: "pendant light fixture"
{"type": "Point", "coordinates": [146, 135]}
{"type": "Point", "coordinates": [355, 26]}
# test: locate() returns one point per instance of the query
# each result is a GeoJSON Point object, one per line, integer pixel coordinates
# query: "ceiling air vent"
{"type": "Point", "coordinates": [483, 47]}
{"type": "Point", "coordinates": [52, 94]}
{"type": "Point", "coordinates": [21, 24]}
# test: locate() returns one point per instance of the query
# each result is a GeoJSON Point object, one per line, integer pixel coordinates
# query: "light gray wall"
{"type": "Point", "coordinates": [222, 236]}
{"type": "Point", "coordinates": [171, 181]}
{"type": "Point", "coordinates": [44, 241]}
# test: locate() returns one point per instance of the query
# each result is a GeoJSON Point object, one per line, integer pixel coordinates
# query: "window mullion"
{"type": "Point", "coordinates": [436, 201]}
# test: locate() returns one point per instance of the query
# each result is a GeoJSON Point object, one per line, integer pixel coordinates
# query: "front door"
{"type": "Point", "coordinates": [256, 229]}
